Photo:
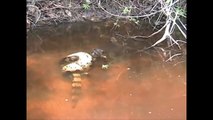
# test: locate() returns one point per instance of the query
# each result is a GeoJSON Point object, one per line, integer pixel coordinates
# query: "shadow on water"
{"type": "Point", "coordinates": [136, 86]}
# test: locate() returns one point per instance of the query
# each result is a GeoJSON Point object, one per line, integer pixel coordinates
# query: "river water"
{"type": "Point", "coordinates": [135, 86]}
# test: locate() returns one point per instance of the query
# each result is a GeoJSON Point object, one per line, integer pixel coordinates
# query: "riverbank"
{"type": "Point", "coordinates": [148, 18]}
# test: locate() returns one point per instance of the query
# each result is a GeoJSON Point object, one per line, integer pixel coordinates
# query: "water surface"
{"type": "Point", "coordinates": [136, 86]}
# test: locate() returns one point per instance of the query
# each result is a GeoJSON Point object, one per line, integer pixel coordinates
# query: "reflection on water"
{"type": "Point", "coordinates": [136, 86]}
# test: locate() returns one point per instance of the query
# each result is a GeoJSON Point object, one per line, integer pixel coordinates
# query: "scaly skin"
{"type": "Point", "coordinates": [76, 64]}
{"type": "Point", "coordinates": [82, 64]}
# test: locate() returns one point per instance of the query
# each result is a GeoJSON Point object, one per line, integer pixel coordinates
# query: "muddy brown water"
{"type": "Point", "coordinates": [136, 86]}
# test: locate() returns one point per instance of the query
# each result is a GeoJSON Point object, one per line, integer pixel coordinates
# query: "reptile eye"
{"type": "Point", "coordinates": [73, 58]}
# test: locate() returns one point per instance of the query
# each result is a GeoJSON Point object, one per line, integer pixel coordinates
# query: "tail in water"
{"type": "Point", "coordinates": [76, 89]}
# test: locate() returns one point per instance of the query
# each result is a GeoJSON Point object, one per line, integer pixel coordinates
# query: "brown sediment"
{"type": "Point", "coordinates": [133, 87]}
{"type": "Point", "coordinates": [157, 94]}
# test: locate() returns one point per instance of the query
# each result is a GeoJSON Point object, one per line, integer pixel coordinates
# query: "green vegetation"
{"type": "Point", "coordinates": [127, 10]}
{"type": "Point", "coordinates": [181, 11]}
{"type": "Point", "coordinates": [86, 5]}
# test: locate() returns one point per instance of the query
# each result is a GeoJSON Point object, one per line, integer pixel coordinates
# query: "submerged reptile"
{"type": "Point", "coordinates": [77, 64]}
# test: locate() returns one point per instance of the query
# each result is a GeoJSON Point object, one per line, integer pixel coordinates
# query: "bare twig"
{"type": "Point", "coordinates": [37, 14]}
{"type": "Point", "coordinates": [170, 58]}
{"type": "Point", "coordinates": [126, 16]}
